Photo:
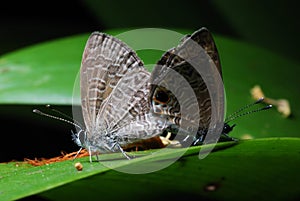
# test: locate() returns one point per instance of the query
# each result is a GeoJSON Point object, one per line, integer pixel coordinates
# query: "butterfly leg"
{"type": "Point", "coordinates": [77, 153]}
{"type": "Point", "coordinates": [123, 152]}
{"type": "Point", "coordinates": [90, 153]}
{"type": "Point", "coordinates": [97, 157]}
{"type": "Point", "coordinates": [225, 138]}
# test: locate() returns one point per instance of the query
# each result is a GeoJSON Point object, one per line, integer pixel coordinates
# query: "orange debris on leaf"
{"type": "Point", "coordinates": [63, 157]}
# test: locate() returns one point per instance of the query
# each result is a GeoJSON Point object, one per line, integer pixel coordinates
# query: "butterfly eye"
{"type": "Point", "coordinates": [162, 97]}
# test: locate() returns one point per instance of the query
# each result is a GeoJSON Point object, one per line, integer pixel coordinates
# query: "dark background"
{"type": "Point", "coordinates": [269, 24]}
{"type": "Point", "coordinates": [272, 24]}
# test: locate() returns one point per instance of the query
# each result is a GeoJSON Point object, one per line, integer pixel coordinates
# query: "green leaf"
{"type": "Point", "coordinates": [261, 169]}
{"type": "Point", "coordinates": [244, 66]}
{"type": "Point", "coordinates": [41, 73]}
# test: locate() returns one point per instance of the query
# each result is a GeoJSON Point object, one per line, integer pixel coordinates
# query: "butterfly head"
{"type": "Point", "coordinates": [80, 137]}
{"type": "Point", "coordinates": [227, 128]}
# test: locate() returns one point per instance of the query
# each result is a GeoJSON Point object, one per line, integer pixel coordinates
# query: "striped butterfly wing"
{"type": "Point", "coordinates": [105, 61]}
{"type": "Point", "coordinates": [126, 112]}
{"type": "Point", "coordinates": [179, 59]}
{"type": "Point", "coordinates": [114, 93]}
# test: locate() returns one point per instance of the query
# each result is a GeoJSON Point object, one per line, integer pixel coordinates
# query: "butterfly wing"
{"type": "Point", "coordinates": [123, 104]}
{"type": "Point", "coordinates": [105, 61]}
{"type": "Point", "coordinates": [180, 59]}
{"type": "Point", "coordinates": [204, 38]}
{"type": "Point", "coordinates": [126, 112]}
{"type": "Point", "coordinates": [114, 92]}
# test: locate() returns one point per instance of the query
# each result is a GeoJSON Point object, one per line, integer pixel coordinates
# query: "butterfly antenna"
{"type": "Point", "coordinates": [238, 113]}
{"type": "Point", "coordinates": [63, 114]}
{"type": "Point", "coordinates": [243, 108]}
{"type": "Point", "coordinates": [58, 118]}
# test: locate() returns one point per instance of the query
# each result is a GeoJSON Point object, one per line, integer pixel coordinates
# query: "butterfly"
{"type": "Point", "coordinates": [114, 88]}
{"type": "Point", "coordinates": [195, 53]}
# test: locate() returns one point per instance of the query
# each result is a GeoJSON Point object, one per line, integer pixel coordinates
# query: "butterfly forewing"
{"type": "Point", "coordinates": [105, 61]}
{"type": "Point", "coordinates": [178, 59]}
{"type": "Point", "coordinates": [204, 38]}
{"type": "Point", "coordinates": [125, 102]}
{"type": "Point", "coordinates": [114, 93]}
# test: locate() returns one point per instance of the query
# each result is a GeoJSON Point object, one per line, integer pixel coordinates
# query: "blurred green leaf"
{"type": "Point", "coordinates": [261, 169]}
{"type": "Point", "coordinates": [244, 66]}
{"type": "Point", "coordinates": [43, 73]}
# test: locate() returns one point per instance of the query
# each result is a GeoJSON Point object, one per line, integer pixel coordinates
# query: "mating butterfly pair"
{"type": "Point", "coordinates": [123, 103]}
